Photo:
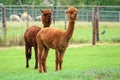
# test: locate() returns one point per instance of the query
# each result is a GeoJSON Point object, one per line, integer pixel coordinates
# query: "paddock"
{"type": "Point", "coordinates": [86, 62]}
{"type": "Point", "coordinates": [82, 33]}
{"type": "Point", "coordinates": [101, 61]}
{"type": "Point", "coordinates": [107, 16]}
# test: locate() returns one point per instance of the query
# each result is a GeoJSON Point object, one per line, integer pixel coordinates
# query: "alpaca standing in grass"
{"type": "Point", "coordinates": [26, 17]}
{"type": "Point", "coordinates": [30, 36]}
{"type": "Point", "coordinates": [15, 18]}
{"type": "Point", "coordinates": [55, 39]}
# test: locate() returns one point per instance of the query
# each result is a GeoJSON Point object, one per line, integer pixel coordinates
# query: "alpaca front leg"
{"type": "Point", "coordinates": [40, 66]}
{"type": "Point", "coordinates": [44, 66]}
{"type": "Point", "coordinates": [61, 60]}
{"type": "Point", "coordinates": [56, 65]}
{"type": "Point", "coordinates": [57, 60]}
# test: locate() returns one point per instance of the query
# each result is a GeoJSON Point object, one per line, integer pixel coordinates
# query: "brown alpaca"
{"type": "Point", "coordinates": [30, 36]}
{"type": "Point", "coordinates": [55, 39]}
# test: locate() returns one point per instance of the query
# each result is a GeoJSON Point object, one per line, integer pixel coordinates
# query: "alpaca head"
{"type": "Point", "coordinates": [46, 17]}
{"type": "Point", "coordinates": [72, 14]}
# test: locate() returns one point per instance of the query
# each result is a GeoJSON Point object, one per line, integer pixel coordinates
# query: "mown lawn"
{"type": "Point", "coordinates": [84, 62]}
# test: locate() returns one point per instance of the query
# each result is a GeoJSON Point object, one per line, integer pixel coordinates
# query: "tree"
{"type": "Point", "coordinates": [64, 2]}
{"type": "Point", "coordinates": [21, 2]}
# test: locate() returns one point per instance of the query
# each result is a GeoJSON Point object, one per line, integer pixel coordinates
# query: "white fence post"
{"type": "Point", "coordinates": [65, 20]}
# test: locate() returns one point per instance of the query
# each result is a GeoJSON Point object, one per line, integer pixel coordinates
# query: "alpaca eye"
{"type": "Point", "coordinates": [45, 14]}
{"type": "Point", "coordinates": [71, 12]}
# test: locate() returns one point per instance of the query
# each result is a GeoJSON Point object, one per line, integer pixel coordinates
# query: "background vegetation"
{"type": "Point", "coordinates": [82, 32]}
{"type": "Point", "coordinates": [63, 2]}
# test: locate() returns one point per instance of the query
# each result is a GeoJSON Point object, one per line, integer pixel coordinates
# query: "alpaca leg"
{"type": "Point", "coordinates": [61, 60]}
{"type": "Point", "coordinates": [28, 54]}
{"type": "Point", "coordinates": [44, 59]}
{"type": "Point", "coordinates": [57, 59]}
{"type": "Point", "coordinates": [40, 59]}
{"type": "Point", "coordinates": [36, 57]}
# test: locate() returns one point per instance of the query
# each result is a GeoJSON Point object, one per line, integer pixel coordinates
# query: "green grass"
{"type": "Point", "coordinates": [82, 32]}
{"type": "Point", "coordinates": [85, 62]}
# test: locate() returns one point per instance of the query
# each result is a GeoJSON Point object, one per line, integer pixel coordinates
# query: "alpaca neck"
{"type": "Point", "coordinates": [70, 30]}
{"type": "Point", "coordinates": [46, 25]}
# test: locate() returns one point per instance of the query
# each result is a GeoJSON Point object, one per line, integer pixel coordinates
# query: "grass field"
{"type": "Point", "coordinates": [81, 62]}
{"type": "Point", "coordinates": [82, 32]}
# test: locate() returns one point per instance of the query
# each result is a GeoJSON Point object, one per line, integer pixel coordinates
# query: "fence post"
{"type": "Point", "coordinates": [97, 23]}
{"type": "Point", "coordinates": [4, 21]}
{"type": "Point", "coordinates": [94, 27]}
{"type": "Point", "coordinates": [65, 20]}
{"type": "Point", "coordinates": [27, 15]}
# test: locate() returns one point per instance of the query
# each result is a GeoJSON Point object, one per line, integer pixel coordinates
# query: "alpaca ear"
{"type": "Point", "coordinates": [41, 10]}
{"type": "Point", "coordinates": [51, 11]}
{"type": "Point", "coordinates": [66, 12]}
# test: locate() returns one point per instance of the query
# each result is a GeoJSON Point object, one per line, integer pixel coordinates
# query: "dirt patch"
{"type": "Point", "coordinates": [71, 45]}
{"type": "Point", "coordinates": [90, 44]}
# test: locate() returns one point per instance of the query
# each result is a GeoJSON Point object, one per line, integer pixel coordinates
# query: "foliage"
{"type": "Point", "coordinates": [82, 32]}
{"type": "Point", "coordinates": [83, 62]}
{"type": "Point", "coordinates": [64, 2]}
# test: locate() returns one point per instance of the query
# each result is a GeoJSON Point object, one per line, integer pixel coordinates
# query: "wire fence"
{"type": "Point", "coordinates": [106, 13]}
{"type": "Point", "coordinates": [0, 16]}
{"type": "Point", "coordinates": [0, 21]}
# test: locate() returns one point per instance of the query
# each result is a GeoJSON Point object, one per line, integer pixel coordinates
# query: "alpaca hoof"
{"type": "Point", "coordinates": [36, 67]}
{"type": "Point", "coordinates": [27, 66]}
{"type": "Point", "coordinates": [56, 69]}
{"type": "Point", "coordinates": [45, 71]}
{"type": "Point", "coordinates": [40, 71]}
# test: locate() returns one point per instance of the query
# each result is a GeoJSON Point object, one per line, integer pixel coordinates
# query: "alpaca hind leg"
{"type": "Point", "coordinates": [29, 52]}
{"type": "Point", "coordinates": [28, 55]}
{"type": "Point", "coordinates": [40, 60]}
{"type": "Point", "coordinates": [26, 52]}
{"type": "Point", "coordinates": [36, 57]}
{"type": "Point", "coordinates": [44, 59]}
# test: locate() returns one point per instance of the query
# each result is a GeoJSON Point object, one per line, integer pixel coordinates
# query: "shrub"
{"type": "Point", "coordinates": [12, 41]}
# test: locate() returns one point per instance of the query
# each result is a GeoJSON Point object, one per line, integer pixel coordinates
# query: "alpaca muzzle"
{"type": "Point", "coordinates": [48, 18]}
{"type": "Point", "coordinates": [75, 14]}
